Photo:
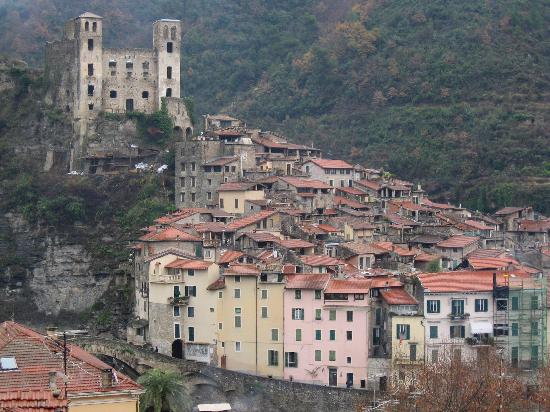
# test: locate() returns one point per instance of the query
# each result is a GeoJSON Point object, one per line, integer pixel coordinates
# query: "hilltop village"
{"type": "Point", "coordinates": [285, 264]}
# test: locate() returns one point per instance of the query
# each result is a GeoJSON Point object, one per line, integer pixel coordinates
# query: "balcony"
{"type": "Point", "coordinates": [458, 316]}
{"type": "Point", "coordinates": [166, 278]}
{"type": "Point", "coordinates": [480, 341]}
{"type": "Point", "coordinates": [178, 300]}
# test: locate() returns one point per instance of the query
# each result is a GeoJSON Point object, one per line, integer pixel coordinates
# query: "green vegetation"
{"type": "Point", "coordinates": [433, 267]}
{"type": "Point", "coordinates": [164, 391]}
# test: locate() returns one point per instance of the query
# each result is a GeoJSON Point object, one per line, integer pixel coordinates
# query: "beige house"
{"type": "Point", "coordinates": [232, 196]}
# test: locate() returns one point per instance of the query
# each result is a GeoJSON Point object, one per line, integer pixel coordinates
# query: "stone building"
{"type": "Point", "coordinates": [85, 78]}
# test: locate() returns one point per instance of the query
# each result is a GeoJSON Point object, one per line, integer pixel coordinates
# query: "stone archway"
{"type": "Point", "coordinates": [188, 133]}
{"type": "Point", "coordinates": [178, 132]}
{"type": "Point", "coordinates": [177, 349]}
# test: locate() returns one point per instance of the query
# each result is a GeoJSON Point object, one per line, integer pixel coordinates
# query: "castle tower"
{"type": "Point", "coordinates": [88, 32]}
{"type": "Point", "coordinates": [167, 46]}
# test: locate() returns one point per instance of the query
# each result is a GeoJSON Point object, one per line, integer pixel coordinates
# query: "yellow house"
{"type": "Point", "coordinates": [359, 231]}
{"type": "Point", "coordinates": [32, 372]}
{"type": "Point", "coordinates": [232, 196]}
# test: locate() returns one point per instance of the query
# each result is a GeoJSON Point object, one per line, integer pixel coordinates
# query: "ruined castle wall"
{"type": "Point", "coordinates": [61, 73]}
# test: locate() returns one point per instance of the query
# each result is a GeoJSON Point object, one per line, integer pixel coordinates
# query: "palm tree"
{"type": "Point", "coordinates": [164, 391]}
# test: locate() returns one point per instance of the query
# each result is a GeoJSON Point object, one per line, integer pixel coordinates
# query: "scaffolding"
{"type": "Point", "coordinates": [520, 311]}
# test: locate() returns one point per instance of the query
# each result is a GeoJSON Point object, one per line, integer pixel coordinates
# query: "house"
{"type": "Point", "coordinates": [509, 215]}
{"type": "Point", "coordinates": [33, 377]}
{"type": "Point", "coordinates": [232, 196]}
{"type": "Point", "coordinates": [221, 121]}
{"type": "Point", "coordinates": [307, 194]}
{"type": "Point", "coordinates": [360, 231]}
{"type": "Point", "coordinates": [320, 264]}
{"type": "Point", "coordinates": [454, 249]}
{"type": "Point", "coordinates": [335, 173]}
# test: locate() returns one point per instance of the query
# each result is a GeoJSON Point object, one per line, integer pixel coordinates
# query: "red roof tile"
{"type": "Point", "coordinates": [351, 191]}
{"type": "Point", "coordinates": [221, 161]}
{"type": "Point", "coordinates": [508, 210]}
{"type": "Point", "coordinates": [371, 184]}
{"type": "Point", "coordinates": [251, 219]}
{"type": "Point", "coordinates": [534, 226]}
{"type": "Point", "coordinates": [189, 264]}
{"type": "Point", "coordinates": [169, 234]}
{"type": "Point", "coordinates": [348, 286]}
{"type": "Point", "coordinates": [217, 284]}
{"type": "Point", "coordinates": [241, 270]}
{"type": "Point", "coordinates": [461, 281]}
{"type": "Point", "coordinates": [304, 183]}
{"type": "Point", "coordinates": [230, 256]}
{"type": "Point", "coordinates": [236, 186]}
{"type": "Point", "coordinates": [354, 204]}
{"type": "Point", "coordinates": [397, 296]}
{"type": "Point", "coordinates": [331, 164]}
{"type": "Point", "coordinates": [491, 263]}
{"type": "Point", "coordinates": [327, 228]}
{"type": "Point", "coordinates": [294, 243]}
{"type": "Point", "coordinates": [303, 281]}
{"type": "Point", "coordinates": [320, 260]}
{"type": "Point", "coordinates": [457, 242]}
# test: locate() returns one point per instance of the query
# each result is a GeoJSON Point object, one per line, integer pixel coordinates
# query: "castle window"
{"type": "Point", "coordinates": [169, 47]}
{"type": "Point", "coordinates": [169, 92]}
{"type": "Point", "coordinates": [165, 32]}
{"type": "Point", "coordinates": [94, 26]}
{"type": "Point", "coordinates": [129, 65]}
{"type": "Point", "coordinates": [112, 94]}
{"type": "Point", "coordinates": [145, 94]}
{"type": "Point", "coordinates": [90, 44]}
{"type": "Point", "coordinates": [87, 26]}
{"type": "Point", "coordinates": [91, 106]}
{"type": "Point", "coordinates": [173, 33]}
{"type": "Point", "coordinates": [145, 66]}
{"type": "Point", "coordinates": [90, 90]}
{"type": "Point", "coordinates": [169, 72]}
{"type": "Point", "coordinates": [90, 69]}
{"type": "Point", "coordinates": [112, 63]}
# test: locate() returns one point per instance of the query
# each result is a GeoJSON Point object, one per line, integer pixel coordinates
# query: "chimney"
{"type": "Point", "coordinates": [52, 375]}
{"type": "Point", "coordinates": [51, 331]}
{"type": "Point", "coordinates": [107, 378]}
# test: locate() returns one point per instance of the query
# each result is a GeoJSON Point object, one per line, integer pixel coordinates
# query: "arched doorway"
{"type": "Point", "coordinates": [188, 132]}
{"type": "Point", "coordinates": [177, 349]}
{"type": "Point", "coordinates": [178, 132]}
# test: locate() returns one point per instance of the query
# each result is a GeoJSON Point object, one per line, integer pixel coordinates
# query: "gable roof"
{"type": "Point", "coordinates": [348, 286]}
{"type": "Point", "coordinates": [89, 15]}
{"type": "Point", "coordinates": [320, 260]}
{"type": "Point", "coordinates": [251, 219]}
{"type": "Point", "coordinates": [331, 164]}
{"type": "Point", "coordinates": [189, 264]}
{"type": "Point", "coordinates": [397, 296]}
{"type": "Point", "coordinates": [304, 183]}
{"type": "Point", "coordinates": [307, 281]}
{"type": "Point", "coordinates": [169, 234]}
{"type": "Point", "coordinates": [508, 210]}
{"type": "Point", "coordinates": [229, 256]}
{"type": "Point", "coordinates": [464, 281]}
{"type": "Point", "coordinates": [457, 241]}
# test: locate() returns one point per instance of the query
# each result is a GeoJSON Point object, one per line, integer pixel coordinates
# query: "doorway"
{"type": "Point", "coordinates": [332, 376]}
{"type": "Point", "coordinates": [129, 105]}
{"type": "Point", "coordinates": [177, 349]}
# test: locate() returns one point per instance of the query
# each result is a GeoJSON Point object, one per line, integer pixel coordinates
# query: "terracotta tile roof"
{"type": "Point", "coordinates": [260, 236]}
{"type": "Point", "coordinates": [508, 210]}
{"type": "Point", "coordinates": [294, 243]}
{"type": "Point", "coordinates": [230, 256]}
{"type": "Point", "coordinates": [442, 206]}
{"type": "Point", "coordinates": [251, 219]}
{"type": "Point", "coordinates": [397, 296]}
{"type": "Point", "coordinates": [36, 355]}
{"type": "Point", "coordinates": [241, 270]}
{"type": "Point", "coordinates": [229, 132]}
{"type": "Point", "coordinates": [217, 284]}
{"type": "Point", "coordinates": [534, 226]}
{"type": "Point", "coordinates": [361, 248]}
{"type": "Point", "coordinates": [371, 184]}
{"type": "Point", "coordinates": [491, 263]}
{"type": "Point", "coordinates": [477, 225]}
{"type": "Point", "coordinates": [169, 234]}
{"type": "Point", "coordinates": [189, 264]}
{"type": "Point", "coordinates": [457, 242]}
{"type": "Point", "coordinates": [383, 281]}
{"type": "Point", "coordinates": [303, 183]}
{"type": "Point", "coordinates": [330, 212]}
{"type": "Point", "coordinates": [289, 269]}
{"type": "Point", "coordinates": [220, 161]}
{"type": "Point", "coordinates": [177, 215]}
{"type": "Point", "coordinates": [327, 228]}
{"type": "Point", "coordinates": [302, 281]}
{"type": "Point", "coordinates": [461, 281]}
{"type": "Point", "coordinates": [320, 260]}
{"type": "Point", "coordinates": [312, 230]}
{"type": "Point", "coordinates": [425, 257]}
{"type": "Point", "coordinates": [348, 286]}
{"type": "Point", "coordinates": [331, 164]}
{"type": "Point", "coordinates": [236, 186]}
{"type": "Point", "coordinates": [351, 191]}
{"type": "Point", "coordinates": [215, 227]}
{"type": "Point", "coordinates": [401, 221]}
{"type": "Point", "coordinates": [169, 251]}
{"type": "Point", "coordinates": [354, 204]}
{"type": "Point", "coordinates": [487, 253]}
{"type": "Point", "coordinates": [408, 205]}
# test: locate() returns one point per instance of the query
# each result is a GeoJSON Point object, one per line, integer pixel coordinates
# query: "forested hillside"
{"type": "Point", "coordinates": [455, 95]}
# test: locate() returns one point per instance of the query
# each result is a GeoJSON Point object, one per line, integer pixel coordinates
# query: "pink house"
{"type": "Point", "coordinates": [326, 330]}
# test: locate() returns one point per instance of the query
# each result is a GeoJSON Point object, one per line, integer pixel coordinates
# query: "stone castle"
{"type": "Point", "coordinates": [86, 79]}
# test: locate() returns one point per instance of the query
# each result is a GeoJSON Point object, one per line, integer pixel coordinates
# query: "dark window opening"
{"type": "Point", "coordinates": [90, 44]}
{"type": "Point", "coordinates": [173, 33]}
{"type": "Point", "coordinates": [112, 94]}
{"type": "Point", "coordinates": [169, 47]}
{"type": "Point", "coordinates": [90, 69]}
{"type": "Point", "coordinates": [145, 66]}
{"type": "Point", "coordinates": [169, 72]}
{"type": "Point", "coordinates": [129, 65]}
{"type": "Point", "coordinates": [112, 63]}
{"type": "Point", "coordinates": [90, 106]}
{"type": "Point", "coordinates": [94, 26]}
{"type": "Point", "coordinates": [91, 90]}
{"type": "Point", "coordinates": [129, 105]}
{"type": "Point", "coordinates": [169, 92]}
{"type": "Point", "coordinates": [87, 26]}
{"type": "Point", "coordinates": [145, 94]}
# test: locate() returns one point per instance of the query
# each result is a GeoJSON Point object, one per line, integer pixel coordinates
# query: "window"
{"type": "Point", "coordinates": [190, 312]}
{"type": "Point", "coordinates": [515, 329]}
{"type": "Point", "coordinates": [458, 331]}
{"type": "Point", "coordinates": [221, 203]}
{"type": "Point", "coordinates": [502, 304]}
{"type": "Point", "coordinates": [291, 359]}
{"type": "Point", "coordinates": [190, 291]}
{"type": "Point", "coordinates": [298, 335]}
{"type": "Point", "coordinates": [237, 293]}
{"type": "Point", "coordinates": [378, 316]}
{"type": "Point", "coordinates": [87, 26]}
{"type": "Point", "coordinates": [193, 166]}
{"type": "Point", "coordinates": [220, 295]}
{"type": "Point", "coordinates": [169, 72]}
{"type": "Point", "coordinates": [435, 355]}
{"type": "Point", "coordinates": [275, 335]}
{"type": "Point", "coordinates": [173, 33]}
{"type": "Point", "coordinates": [272, 357]}
{"type": "Point", "coordinates": [317, 355]}
{"type": "Point", "coordinates": [317, 314]}
{"type": "Point", "coordinates": [317, 334]}
{"type": "Point", "coordinates": [515, 302]}
{"type": "Point", "coordinates": [145, 66]}
{"type": "Point", "coordinates": [264, 312]}
{"type": "Point", "coordinates": [190, 272]}
{"type": "Point", "coordinates": [176, 311]}
{"type": "Point", "coordinates": [534, 302]}
{"type": "Point", "coordinates": [332, 334]}
{"type": "Point", "coordinates": [236, 203]}
{"type": "Point", "coordinates": [94, 26]}
{"type": "Point", "coordinates": [90, 69]}
{"type": "Point", "coordinates": [129, 65]}
{"type": "Point", "coordinates": [482, 305]}
{"type": "Point", "coordinates": [264, 293]}
{"type": "Point", "coordinates": [193, 197]}
{"type": "Point", "coordinates": [349, 315]}
{"type": "Point", "coordinates": [457, 307]}
{"type": "Point", "coordinates": [177, 333]}
{"type": "Point", "coordinates": [91, 90]}
{"type": "Point", "coordinates": [112, 63]}
{"type": "Point", "coordinates": [402, 332]}
{"type": "Point", "coordinates": [534, 328]}
{"type": "Point", "coordinates": [376, 336]}
{"type": "Point", "coordinates": [433, 332]}
{"type": "Point", "coordinates": [90, 44]}
{"type": "Point", "coordinates": [359, 296]}
{"type": "Point", "coordinates": [145, 94]}
{"type": "Point", "coordinates": [298, 294]}
{"type": "Point", "coordinates": [112, 94]}
{"type": "Point", "coordinates": [298, 314]}
{"type": "Point", "coordinates": [209, 195]}
{"type": "Point", "coordinates": [534, 357]}
{"type": "Point", "coordinates": [332, 314]}
{"type": "Point", "coordinates": [169, 92]}
{"type": "Point", "coordinates": [191, 333]}
{"type": "Point", "coordinates": [176, 291]}
{"type": "Point", "coordinates": [500, 329]}
{"type": "Point", "coordinates": [238, 317]}
{"type": "Point", "coordinates": [169, 47]}
{"type": "Point", "coordinates": [433, 306]}
{"type": "Point", "coordinates": [412, 352]}
{"type": "Point", "coordinates": [182, 197]}
{"type": "Point", "coordinates": [348, 359]}
{"type": "Point", "coordinates": [515, 356]}
{"type": "Point", "coordinates": [349, 335]}
{"type": "Point", "coordinates": [220, 325]}
{"type": "Point", "coordinates": [193, 181]}
{"type": "Point", "coordinates": [332, 355]}
{"type": "Point", "coordinates": [237, 346]}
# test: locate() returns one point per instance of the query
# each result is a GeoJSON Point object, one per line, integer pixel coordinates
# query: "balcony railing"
{"type": "Point", "coordinates": [178, 300]}
{"type": "Point", "coordinates": [480, 341]}
{"type": "Point", "coordinates": [458, 316]}
{"type": "Point", "coordinates": [166, 278]}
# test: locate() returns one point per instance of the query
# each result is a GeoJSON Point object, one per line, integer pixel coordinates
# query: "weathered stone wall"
{"type": "Point", "coordinates": [238, 388]}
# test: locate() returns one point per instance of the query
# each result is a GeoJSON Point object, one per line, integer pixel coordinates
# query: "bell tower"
{"type": "Point", "coordinates": [167, 46]}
